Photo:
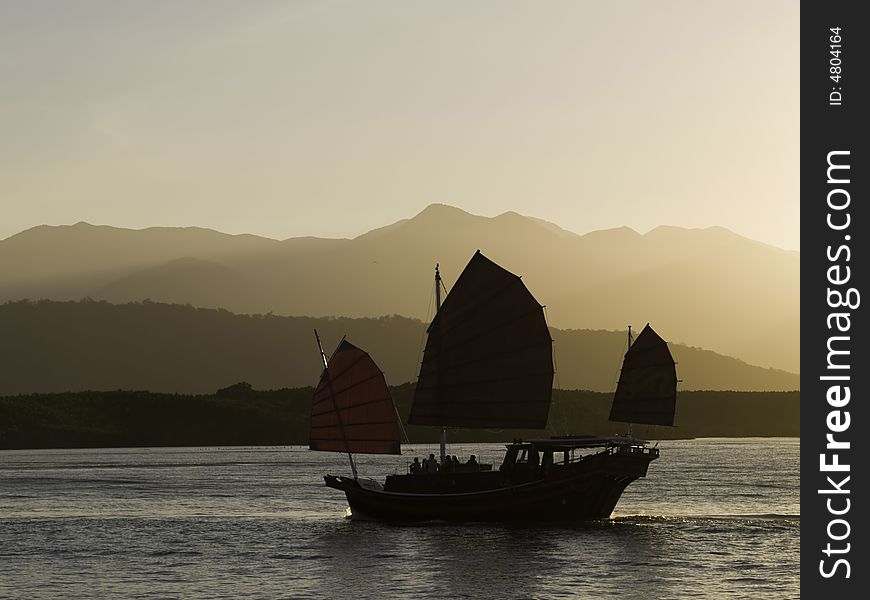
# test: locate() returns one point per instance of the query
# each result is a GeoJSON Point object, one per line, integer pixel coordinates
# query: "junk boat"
{"type": "Point", "coordinates": [488, 363]}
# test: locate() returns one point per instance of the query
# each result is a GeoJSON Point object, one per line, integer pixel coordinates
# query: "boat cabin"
{"type": "Point", "coordinates": [545, 454]}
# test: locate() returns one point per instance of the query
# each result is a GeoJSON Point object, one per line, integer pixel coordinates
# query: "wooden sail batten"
{"type": "Point", "coordinates": [359, 424]}
{"type": "Point", "coordinates": [487, 422]}
{"type": "Point", "coordinates": [351, 387]}
{"type": "Point", "coordinates": [482, 402]}
{"type": "Point", "coordinates": [468, 312]}
{"type": "Point", "coordinates": [489, 357]}
{"type": "Point", "coordinates": [488, 381]}
{"type": "Point", "coordinates": [337, 374]}
{"type": "Point", "coordinates": [648, 365]}
{"type": "Point", "coordinates": [361, 440]}
{"type": "Point", "coordinates": [480, 334]}
{"type": "Point", "coordinates": [464, 341]}
{"type": "Point", "coordinates": [487, 416]}
{"type": "Point", "coordinates": [372, 441]}
{"type": "Point", "coordinates": [349, 406]}
{"type": "Point", "coordinates": [648, 417]}
{"type": "Point", "coordinates": [639, 359]}
{"type": "Point", "coordinates": [346, 406]}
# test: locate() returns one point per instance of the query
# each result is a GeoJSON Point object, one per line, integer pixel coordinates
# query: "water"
{"type": "Point", "coordinates": [715, 518]}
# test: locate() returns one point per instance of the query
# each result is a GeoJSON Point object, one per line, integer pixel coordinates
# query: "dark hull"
{"type": "Point", "coordinates": [586, 490]}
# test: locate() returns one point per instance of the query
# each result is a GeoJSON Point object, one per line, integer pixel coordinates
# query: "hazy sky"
{"type": "Point", "coordinates": [331, 118]}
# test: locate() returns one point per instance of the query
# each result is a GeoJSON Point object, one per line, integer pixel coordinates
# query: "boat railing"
{"type": "Point", "coordinates": [610, 450]}
{"type": "Point", "coordinates": [634, 449]}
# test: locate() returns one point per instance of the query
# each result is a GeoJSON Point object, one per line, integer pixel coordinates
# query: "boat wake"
{"type": "Point", "coordinates": [712, 523]}
{"type": "Point", "coordinates": [705, 522]}
{"type": "Point", "coordinates": [688, 518]}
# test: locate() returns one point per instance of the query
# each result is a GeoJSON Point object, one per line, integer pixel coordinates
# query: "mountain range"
{"type": "Point", "coordinates": [707, 288]}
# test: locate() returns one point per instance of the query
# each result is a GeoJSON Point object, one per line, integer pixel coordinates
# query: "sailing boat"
{"type": "Point", "coordinates": [488, 363]}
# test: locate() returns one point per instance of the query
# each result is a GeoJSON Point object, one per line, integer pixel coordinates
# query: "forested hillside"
{"type": "Point", "coordinates": [52, 346]}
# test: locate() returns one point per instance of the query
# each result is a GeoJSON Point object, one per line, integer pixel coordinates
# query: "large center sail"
{"type": "Point", "coordinates": [352, 410]}
{"type": "Point", "coordinates": [647, 388]}
{"type": "Point", "coordinates": [488, 361]}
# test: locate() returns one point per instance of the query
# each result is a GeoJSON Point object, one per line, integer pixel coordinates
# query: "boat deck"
{"type": "Point", "coordinates": [614, 458]}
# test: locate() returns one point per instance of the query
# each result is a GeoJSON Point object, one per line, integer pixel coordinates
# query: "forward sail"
{"type": "Point", "coordinates": [647, 388]}
{"type": "Point", "coordinates": [488, 361]}
{"type": "Point", "coordinates": [352, 410]}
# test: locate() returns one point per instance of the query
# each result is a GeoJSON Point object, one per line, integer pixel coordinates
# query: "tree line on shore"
{"type": "Point", "coordinates": [241, 415]}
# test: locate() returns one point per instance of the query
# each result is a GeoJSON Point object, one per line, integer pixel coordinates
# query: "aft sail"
{"type": "Point", "coordinates": [352, 410]}
{"type": "Point", "coordinates": [647, 388]}
{"type": "Point", "coordinates": [488, 361]}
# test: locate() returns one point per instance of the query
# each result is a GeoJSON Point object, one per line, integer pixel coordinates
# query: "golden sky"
{"type": "Point", "coordinates": [331, 118]}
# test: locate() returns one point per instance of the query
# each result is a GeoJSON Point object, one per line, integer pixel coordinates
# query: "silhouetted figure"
{"type": "Point", "coordinates": [431, 465]}
{"type": "Point", "coordinates": [416, 468]}
{"type": "Point", "coordinates": [510, 458]}
{"type": "Point", "coordinates": [472, 464]}
{"type": "Point", "coordinates": [547, 462]}
{"type": "Point", "coordinates": [455, 461]}
{"type": "Point", "coordinates": [534, 460]}
{"type": "Point", "coordinates": [447, 465]}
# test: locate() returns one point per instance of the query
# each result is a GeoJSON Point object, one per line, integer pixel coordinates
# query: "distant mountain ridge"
{"type": "Point", "coordinates": [705, 287]}
{"type": "Point", "coordinates": [51, 346]}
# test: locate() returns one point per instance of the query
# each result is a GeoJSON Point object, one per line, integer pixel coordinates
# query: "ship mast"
{"type": "Point", "coordinates": [443, 437]}
{"type": "Point", "coordinates": [335, 405]}
{"type": "Point", "coordinates": [626, 350]}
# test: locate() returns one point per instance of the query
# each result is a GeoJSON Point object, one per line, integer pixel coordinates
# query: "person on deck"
{"type": "Point", "coordinates": [546, 462]}
{"type": "Point", "coordinates": [472, 463]}
{"type": "Point", "coordinates": [534, 459]}
{"type": "Point", "coordinates": [416, 468]}
{"type": "Point", "coordinates": [447, 465]}
{"type": "Point", "coordinates": [431, 465]}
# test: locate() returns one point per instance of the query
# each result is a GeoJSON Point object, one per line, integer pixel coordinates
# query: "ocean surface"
{"type": "Point", "coordinates": [715, 518]}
